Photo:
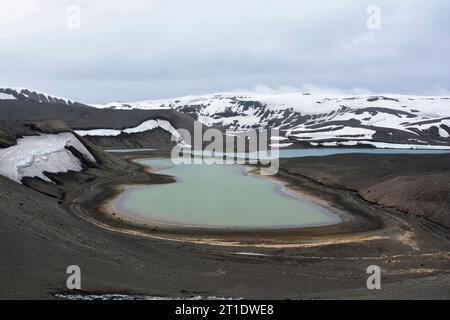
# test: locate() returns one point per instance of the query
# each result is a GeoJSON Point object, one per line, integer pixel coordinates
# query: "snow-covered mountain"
{"type": "Point", "coordinates": [385, 120]}
{"type": "Point", "coordinates": [319, 119]}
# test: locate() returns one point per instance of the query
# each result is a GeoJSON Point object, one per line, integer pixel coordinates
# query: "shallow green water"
{"type": "Point", "coordinates": [219, 196]}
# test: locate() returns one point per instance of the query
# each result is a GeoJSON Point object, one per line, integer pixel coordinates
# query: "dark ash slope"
{"type": "Point", "coordinates": [40, 237]}
{"type": "Point", "coordinates": [85, 118]}
{"type": "Point", "coordinates": [417, 184]}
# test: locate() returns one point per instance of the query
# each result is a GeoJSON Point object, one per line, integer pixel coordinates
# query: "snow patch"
{"type": "Point", "coordinates": [145, 126]}
{"type": "Point", "coordinates": [280, 145]}
{"type": "Point", "coordinates": [345, 132]}
{"type": "Point", "coordinates": [7, 96]}
{"type": "Point", "coordinates": [34, 155]}
{"type": "Point", "coordinates": [278, 138]}
{"type": "Point", "coordinates": [379, 145]}
{"type": "Point", "coordinates": [443, 133]}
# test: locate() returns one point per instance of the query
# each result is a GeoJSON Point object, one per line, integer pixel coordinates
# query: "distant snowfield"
{"type": "Point", "coordinates": [306, 103]}
{"type": "Point", "coordinates": [320, 118]}
{"type": "Point", "coordinates": [344, 132]}
{"type": "Point", "coordinates": [378, 145]}
{"type": "Point", "coordinates": [34, 155]}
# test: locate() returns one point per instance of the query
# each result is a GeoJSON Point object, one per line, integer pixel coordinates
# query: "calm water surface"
{"type": "Point", "coordinates": [219, 196]}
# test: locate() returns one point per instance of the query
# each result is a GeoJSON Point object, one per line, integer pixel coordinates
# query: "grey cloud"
{"type": "Point", "coordinates": [152, 49]}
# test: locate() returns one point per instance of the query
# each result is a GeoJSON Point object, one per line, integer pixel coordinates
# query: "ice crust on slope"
{"type": "Point", "coordinates": [6, 96]}
{"type": "Point", "coordinates": [145, 126]}
{"type": "Point", "coordinates": [34, 155]}
{"type": "Point", "coordinates": [379, 145]}
{"type": "Point", "coordinates": [335, 133]}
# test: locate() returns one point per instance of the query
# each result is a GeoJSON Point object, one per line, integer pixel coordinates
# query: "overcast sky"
{"type": "Point", "coordinates": [134, 50]}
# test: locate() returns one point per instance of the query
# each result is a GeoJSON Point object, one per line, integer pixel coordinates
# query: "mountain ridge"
{"type": "Point", "coordinates": [320, 120]}
{"type": "Point", "coordinates": [317, 120]}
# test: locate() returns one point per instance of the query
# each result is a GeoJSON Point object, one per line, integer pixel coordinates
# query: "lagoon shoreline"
{"type": "Point", "coordinates": [113, 205]}
{"type": "Point", "coordinates": [350, 228]}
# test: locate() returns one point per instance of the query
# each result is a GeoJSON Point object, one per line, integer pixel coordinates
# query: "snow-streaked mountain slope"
{"type": "Point", "coordinates": [26, 94]}
{"type": "Point", "coordinates": [105, 127]}
{"type": "Point", "coordinates": [32, 156]}
{"type": "Point", "coordinates": [318, 118]}
{"type": "Point", "coordinates": [305, 118]}
{"type": "Point", "coordinates": [143, 127]}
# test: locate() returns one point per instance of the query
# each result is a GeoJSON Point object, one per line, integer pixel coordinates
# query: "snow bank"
{"type": "Point", "coordinates": [278, 138]}
{"type": "Point", "coordinates": [7, 96]}
{"type": "Point", "coordinates": [379, 145]}
{"type": "Point", "coordinates": [145, 126]}
{"type": "Point", "coordinates": [345, 132]}
{"type": "Point", "coordinates": [34, 155]}
{"type": "Point", "coordinates": [280, 145]}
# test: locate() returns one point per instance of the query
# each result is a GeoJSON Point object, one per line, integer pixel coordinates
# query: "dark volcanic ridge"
{"type": "Point", "coordinates": [85, 118]}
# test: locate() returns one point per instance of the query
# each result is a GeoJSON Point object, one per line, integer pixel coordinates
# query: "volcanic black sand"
{"type": "Point", "coordinates": [42, 234]}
